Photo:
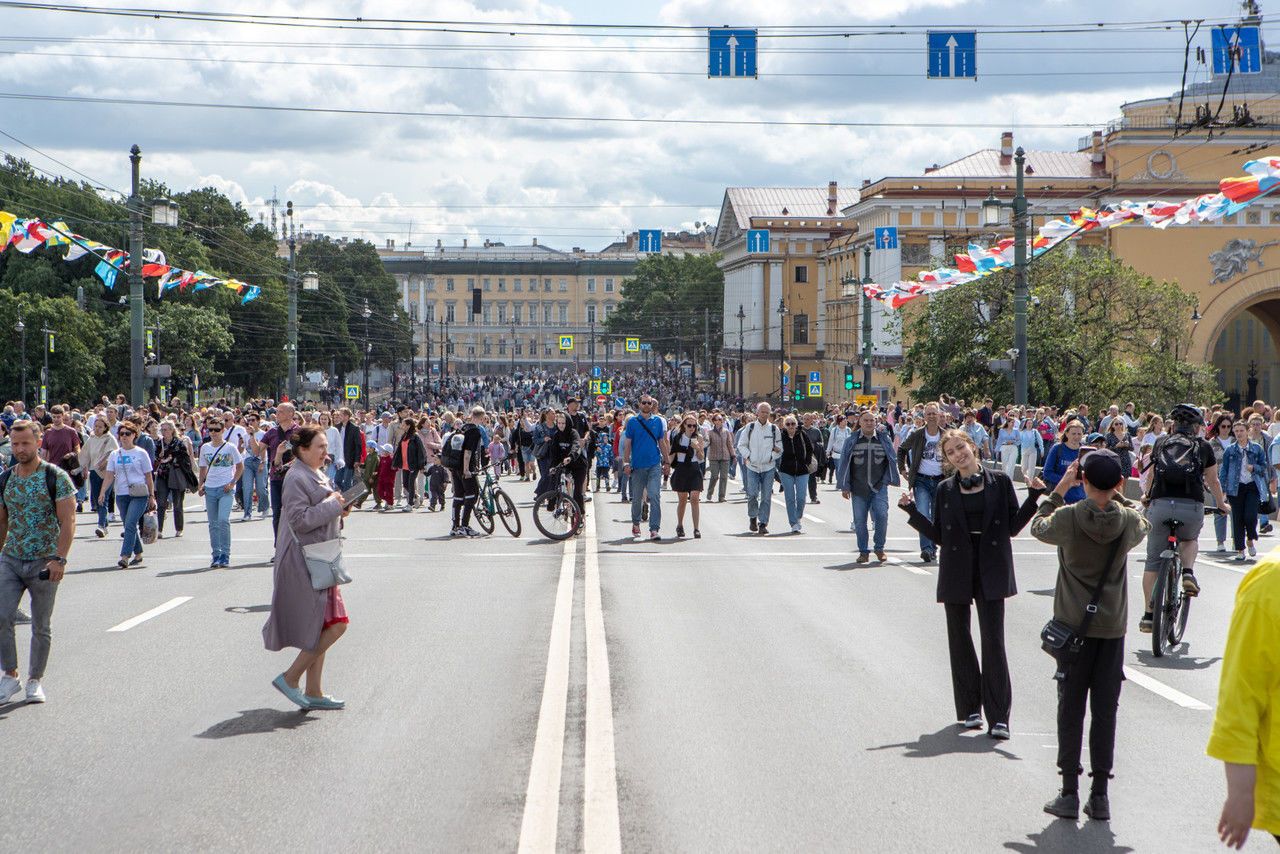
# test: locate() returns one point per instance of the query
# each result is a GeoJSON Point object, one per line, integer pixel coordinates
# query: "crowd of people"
{"type": "Point", "coordinates": [1095, 486]}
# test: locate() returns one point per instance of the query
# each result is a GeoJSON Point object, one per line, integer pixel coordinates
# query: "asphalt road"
{"type": "Point", "coordinates": [733, 693]}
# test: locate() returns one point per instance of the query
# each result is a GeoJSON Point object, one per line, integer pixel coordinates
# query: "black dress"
{"type": "Point", "coordinates": [686, 471]}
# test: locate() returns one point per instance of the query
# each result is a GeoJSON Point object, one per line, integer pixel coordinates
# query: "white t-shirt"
{"type": "Point", "coordinates": [221, 461]}
{"type": "Point", "coordinates": [335, 445]}
{"type": "Point", "coordinates": [130, 467]}
{"type": "Point", "coordinates": [239, 437]}
{"type": "Point", "coordinates": [1150, 439]}
{"type": "Point", "coordinates": [930, 458]}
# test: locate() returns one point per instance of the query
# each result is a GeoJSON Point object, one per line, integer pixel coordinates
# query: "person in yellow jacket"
{"type": "Point", "coordinates": [1246, 726]}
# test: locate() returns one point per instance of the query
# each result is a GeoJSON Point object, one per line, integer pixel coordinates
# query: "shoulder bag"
{"type": "Point", "coordinates": [324, 562]}
{"type": "Point", "coordinates": [1062, 641]}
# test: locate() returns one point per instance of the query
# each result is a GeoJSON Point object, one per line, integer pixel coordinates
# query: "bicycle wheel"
{"type": "Point", "coordinates": [507, 512]}
{"type": "Point", "coordinates": [556, 515]}
{"type": "Point", "coordinates": [1161, 616]}
{"type": "Point", "coordinates": [483, 517]}
{"type": "Point", "coordinates": [1178, 623]}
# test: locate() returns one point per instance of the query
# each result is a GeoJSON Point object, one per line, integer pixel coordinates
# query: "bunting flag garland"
{"type": "Point", "coordinates": [1262, 178]}
{"type": "Point", "coordinates": [25, 235]}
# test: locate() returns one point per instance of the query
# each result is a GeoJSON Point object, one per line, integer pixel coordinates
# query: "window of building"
{"type": "Point", "coordinates": [515, 313]}
{"type": "Point", "coordinates": [608, 286]}
{"type": "Point", "coordinates": [431, 312]}
{"type": "Point", "coordinates": [431, 283]}
{"type": "Point", "coordinates": [471, 350]}
{"type": "Point", "coordinates": [502, 346]}
{"type": "Point", "coordinates": [1252, 218]}
{"type": "Point", "coordinates": [546, 314]}
{"type": "Point", "coordinates": [502, 284]}
{"type": "Point", "coordinates": [1275, 217]}
{"type": "Point", "coordinates": [564, 285]}
{"type": "Point", "coordinates": [413, 312]}
{"type": "Point", "coordinates": [502, 312]}
{"type": "Point", "coordinates": [448, 284]}
{"type": "Point", "coordinates": [486, 347]}
{"type": "Point", "coordinates": [591, 313]}
{"type": "Point", "coordinates": [564, 315]}
{"type": "Point", "coordinates": [546, 284]}
{"type": "Point", "coordinates": [800, 329]}
{"type": "Point", "coordinates": [546, 350]}
{"type": "Point", "coordinates": [802, 273]}
{"type": "Point", "coordinates": [515, 285]}
{"type": "Point", "coordinates": [487, 314]}
{"type": "Point", "coordinates": [487, 283]}
{"type": "Point", "coordinates": [450, 315]}
{"type": "Point", "coordinates": [517, 347]}
{"type": "Point", "coordinates": [591, 286]}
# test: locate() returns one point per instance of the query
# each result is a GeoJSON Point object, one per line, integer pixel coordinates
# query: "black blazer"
{"type": "Point", "coordinates": [352, 443]}
{"type": "Point", "coordinates": [1002, 519]}
{"type": "Point", "coordinates": [417, 454]}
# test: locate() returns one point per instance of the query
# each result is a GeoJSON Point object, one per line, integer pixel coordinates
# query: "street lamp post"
{"type": "Point", "coordinates": [782, 349]}
{"type": "Point", "coordinates": [365, 313]}
{"type": "Point", "coordinates": [741, 315]}
{"type": "Point", "coordinates": [21, 329]}
{"type": "Point", "coordinates": [991, 217]}
{"type": "Point", "coordinates": [513, 349]}
{"type": "Point", "coordinates": [163, 212]}
{"type": "Point", "coordinates": [866, 321]}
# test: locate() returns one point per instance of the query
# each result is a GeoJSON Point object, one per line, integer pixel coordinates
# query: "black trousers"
{"type": "Point", "coordinates": [409, 477]}
{"type": "Point", "coordinates": [1096, 674]}
{"type": "Point", "coordinates": [1244, 515]}
{"type": "Point", "coordinates": [986, 687]}
{"type": "Point", "coordinates": [165, 495]}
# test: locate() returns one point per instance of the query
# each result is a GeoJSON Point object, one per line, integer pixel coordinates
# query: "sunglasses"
{"type": "Point", "coordinates": [215, 428]}
{"type": "Point", "coordinates": [125, 433]}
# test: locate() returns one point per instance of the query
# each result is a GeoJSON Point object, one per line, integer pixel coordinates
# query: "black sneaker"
{"type": "Point", "coordinates": [1000, 732]}
{"type": "Point", "coordinates": [762, 530]}
{"type": "Point", "coordinates": [1064, 806]}
{"type": "Point", "coordinates": [753, 525]}
{"type": "Point", "coordinates": [1189, 584]}
{"type": "Point", "coordinates": [679, 530]}
{"type": "Point", "coordinates": [1098, 808]}
{"type": "Point", "coordinates": [926, 556]}
{"type": "Point", "coordinates": [1144, 625]}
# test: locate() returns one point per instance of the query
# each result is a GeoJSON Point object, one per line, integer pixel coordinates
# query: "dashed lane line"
{"type": "Point", "coordinates": [1155, 686]}
{"type": "Point", "coordinates": [147, 615]}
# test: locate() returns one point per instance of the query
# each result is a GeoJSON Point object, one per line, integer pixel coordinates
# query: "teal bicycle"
{"type": "Point", "coordinates": [493, 501]}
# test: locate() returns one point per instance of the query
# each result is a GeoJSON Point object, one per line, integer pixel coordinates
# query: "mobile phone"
{"type": "Point", "coordinates": [352, 495]}
{"type": "Point", "coordinates": [44, 574]}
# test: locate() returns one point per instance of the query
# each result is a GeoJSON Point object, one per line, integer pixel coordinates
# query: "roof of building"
{"type": "Point", "coordinates": [492, 252]}
{"type": "Point", "coordinates": [989, 163]}
{"type": "Point", "coordinates": [797, 201]}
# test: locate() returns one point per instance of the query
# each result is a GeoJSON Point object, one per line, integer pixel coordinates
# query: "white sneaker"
{"type": "Point", "coordinates": [35, 692]}
{"type": "Point", "coordinates": [795, 529]}
{"type": "Point", "coordinates": [262, 514]}
{"type": "Point", "coordinates": [9, 686]}
{"type": "Point", "coordinates": [1253, 552]}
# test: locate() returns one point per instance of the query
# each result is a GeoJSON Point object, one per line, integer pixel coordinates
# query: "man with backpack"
{"type": "Point", "coordinates": [37, 524]}
{"type": "Point", "coordinates": [1182, 465]}
{"type": "Point", "coordinates": [460, 454]}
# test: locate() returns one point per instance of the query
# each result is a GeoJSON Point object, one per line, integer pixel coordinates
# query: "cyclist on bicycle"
{"type": "Point", "coordinates": [1183, 465]}
{"type": "Point", "coordinates": [462, 456]}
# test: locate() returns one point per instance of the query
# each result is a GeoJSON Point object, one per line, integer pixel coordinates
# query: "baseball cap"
{"type": "Point", "coordinates": [574, 399]}
{"type": "Point", "coordinates": [1102, 469]}
{"type": "Point", "coordinates": [1094, 437]}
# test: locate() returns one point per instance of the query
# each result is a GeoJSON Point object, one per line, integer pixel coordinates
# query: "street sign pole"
{"type": "Point", "coordinates": [866, 321]}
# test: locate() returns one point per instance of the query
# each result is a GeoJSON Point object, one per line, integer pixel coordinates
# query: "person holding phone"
{"type": "Point", "coordinates": [220, 468]}
{"type": "Point", "coordinates": [686, 458]}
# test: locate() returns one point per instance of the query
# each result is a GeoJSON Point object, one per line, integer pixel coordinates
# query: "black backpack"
{"type": "Point", "coordinates": [451, 450]}
{"type": "Point", "coordinates": [50, 482]}
{"type": "Point", "coordinates": [1177, 460]}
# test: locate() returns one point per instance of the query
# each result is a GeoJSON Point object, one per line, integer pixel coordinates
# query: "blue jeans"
{"type": "Point", "coordinates": [648, 478]}
{"type": "Point", "coordinates": [131, 513]}
{"type": "Point", "coordinates": [218, 504]}
{"type": "Point", "coordinates": [759, 489]}
{"type": "Point", "coordinates": [794, 492]}
{"type": "Point", "coordinates": [926, 489]}
{"type": "Point", "coordinates": [103, 507]}
{"type": "Point", "coordinates": [255, 475]}
{"type": "Point", "coordinates": [346, 478]}
{"type": "Point", "coordinates": [877, 504]}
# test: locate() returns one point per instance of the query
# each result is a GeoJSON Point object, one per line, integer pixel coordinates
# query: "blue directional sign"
{"type": "Point", "coordinates": [597, 371]}
{"type": "Point", "coordinates": [646, 346]}
{"type": "Point", "coordinates": [650, 240]}
{"type": "Point", "coordinates": [887, 238]}
{"type": "Point", "coordinates": [758, 240]}
{"type": "Point", "coordinates": [732, 53]}
{"type": "Point", "coordinates": [786, 380]}
{"type": "Point", "coordinates": [815, 377]}
{"type": "Point", "coordinates": [1243, 45]}
{"type": "Point", "coordinates": [953, 54]}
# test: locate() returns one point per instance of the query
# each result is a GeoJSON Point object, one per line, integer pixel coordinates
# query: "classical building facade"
{"type": "Point", "coordinates": [530, 297]}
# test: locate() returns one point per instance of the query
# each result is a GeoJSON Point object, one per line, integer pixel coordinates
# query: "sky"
{"type": "Point", "coordinates": [418, 178]}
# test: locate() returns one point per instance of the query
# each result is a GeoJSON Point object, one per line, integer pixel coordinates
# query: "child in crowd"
{"type": "Point", "coordinates": [437, 476]}
{"type": "Point", "coordinates": [369, 474]}
{"type": "Point", "coordinates": [497, 456]}
{"type": "Point", "coordinates": [604, 461]}
{"type": "Point", "coordinates": [386, 497]}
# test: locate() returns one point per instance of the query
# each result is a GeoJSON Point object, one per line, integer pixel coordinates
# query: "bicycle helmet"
{"type": "Point", "coordinates": [1186, 413]}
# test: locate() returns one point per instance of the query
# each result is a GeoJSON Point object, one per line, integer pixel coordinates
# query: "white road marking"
{"type": "Point", "coordinates": [601, 829]}
{"type": "Point", "coordinates": [908, 567]}
{"type": "Point", "coordinates": [154, 612]}
{"type": "Point", "coordinates": [1157, 687]}
{"type": "Point", "coordinates": [542, 798]}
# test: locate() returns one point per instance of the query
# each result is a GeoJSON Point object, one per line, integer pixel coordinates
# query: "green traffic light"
{"type": "Point", "coordinates": [848, 385]}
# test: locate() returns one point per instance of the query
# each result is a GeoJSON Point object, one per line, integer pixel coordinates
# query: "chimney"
{"type": "Point", "coordinates": [391, 244]}
{"type": "Point", "coordinates": [866, 182]}
{"type": "Point", "coordinates": [535, 241]}
{"type": "Point", "coordinates": [832, 207]}
{"type": "Point", "coordinates": [1006, 144]}
{"type": "Point", "coordinates": [1096, 153]}
{"type": "Point", "coordinates": [464, 243]}
{"type": "Point", "coordinates": [439, 243]}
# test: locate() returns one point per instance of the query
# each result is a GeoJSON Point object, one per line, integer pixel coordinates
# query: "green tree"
{"type": "Point", "coordinates": [1098, 330]}
{"type": "Point", "coordinates": [76, 361]}
{"type": "Point", "coordinates": [667, 301]}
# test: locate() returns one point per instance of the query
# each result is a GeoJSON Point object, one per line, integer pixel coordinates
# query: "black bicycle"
{"type": "Point", "coordinates": [555, 512]}
{"type": "Point", "coordinates": [1170, 604]}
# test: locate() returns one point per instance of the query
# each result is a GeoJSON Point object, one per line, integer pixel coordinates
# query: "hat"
{"type": "Point", "coordinates": [1102, 469]}
{"type": "Point", "coordinates": [385, 415]}
{"type": "Point", "coordinates": [386, 449]}
{"type": "Point", "coordinates": [574, 399]}
{"type": "Point", "coordinates": [1094, 437]}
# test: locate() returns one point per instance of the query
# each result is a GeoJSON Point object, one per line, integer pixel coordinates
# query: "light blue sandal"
{"type": "Point", "coordinates": [294, 694]}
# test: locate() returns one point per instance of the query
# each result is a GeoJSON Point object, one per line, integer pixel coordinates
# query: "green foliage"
{"type": "Point", "coordinates": [668, 300]}
{"type": "Point", "coordinates": [1099, 332]}
{"type": "Point", "coordinates": [76, 361]}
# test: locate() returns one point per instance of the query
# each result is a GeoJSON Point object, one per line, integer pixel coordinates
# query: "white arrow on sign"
{"type": "Point", "coordinates": [732, 52]}
{"type": "Point", "coordinates": [951, 52]}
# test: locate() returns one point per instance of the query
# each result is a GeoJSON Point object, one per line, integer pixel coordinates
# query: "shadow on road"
{"type": "Point", "coordinates": [1048, 591]}
{"type": "Point", "coordinates": [112, 568]}
{"type": "Point", "coordinates": [1179, 661]}
{"type": "Point", "coordinates": [256, 722]}
{"type": "Point", "coordinates": [948, 740]}
{"type": "Point", "coordinates": [1064, 836]}
{"type": "Point", "coordinates": [845, 567]}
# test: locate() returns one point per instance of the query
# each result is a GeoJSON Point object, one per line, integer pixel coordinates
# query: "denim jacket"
{"type": "Point", "coordinates": [1233, 458]}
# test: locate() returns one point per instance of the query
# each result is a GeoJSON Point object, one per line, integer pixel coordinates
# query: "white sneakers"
{"type": "Point", "coordinates": [1253, 551]}
{"type": "Point", "coordinates": [35, 692]}
{"type": "Point", "coordinates": [10, 687]}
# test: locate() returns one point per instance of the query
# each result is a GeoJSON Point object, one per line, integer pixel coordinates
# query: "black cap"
{"type": "Point", "coordinates": [574, 399]}
{"type": "Point", "coordinates": [1102, 469]}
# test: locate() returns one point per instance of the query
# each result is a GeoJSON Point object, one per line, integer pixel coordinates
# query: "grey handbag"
{"type": "Point", "coordinates": [324, 562]}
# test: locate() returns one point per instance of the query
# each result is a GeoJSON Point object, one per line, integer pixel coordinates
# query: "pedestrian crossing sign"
{"type": "Point", "coordinates": [633, 345]}
{"type": "Point", "coordinates": [566, 342]}
{"type": "Point", "coordinates": [353, 392]}
{"type": "Point", "coordinates": [815, 389]}
{"type": "Point", "coordinates": [595, 386]}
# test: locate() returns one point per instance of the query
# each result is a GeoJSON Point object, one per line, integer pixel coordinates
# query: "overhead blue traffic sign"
{"type": "Point", "coordinates": [815, 377]}
{"type": "Point", "coordinates": [758, 240]}
{"type": "Point", "coordinates": [786, 380]}
{"type": "Point", "coordinates": [597, 371]}
{"type": "Point", "coordinates": [953, 54]}
{"type": "Point", "coordinates": [646, 346]}
{"type": "Point", "coordinates": [1241, 45]}
{"type": "Point", "coordinates": [731, 53]}
{"type": "Point", "coordinates": [887, 238]}
{"type": "Point", "coordinates": [650, 240]}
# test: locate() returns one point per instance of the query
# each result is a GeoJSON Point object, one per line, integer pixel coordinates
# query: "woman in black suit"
{"type": "Point", "coordinates": [976, 515]}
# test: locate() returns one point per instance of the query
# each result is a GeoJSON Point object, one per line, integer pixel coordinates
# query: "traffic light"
{"type": "Point", "coordinates": [799, 395]}
{"type": "Point", "coordinates": [857, 385]}
{"type": "Point", "coordinates": [849, 384]}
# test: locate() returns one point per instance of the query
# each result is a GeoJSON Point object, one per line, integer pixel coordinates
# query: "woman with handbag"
{"type": "Point", "coordinates": [94, 453]}
{"type": "Point", "coordinates": [686, 470]}
{"type": "Point", "coordinates": [798, 461]}
{"type": "Point", "coordinates": [302, 616]}
{"type": "Point", "coordinates": [976, 515]}
{"type": "Point", "coordinates": [173, 466]}
{"type": "Point", "coordinates": [1244, 480]}
{"type": "Point", "coordinates": [129, 472]}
